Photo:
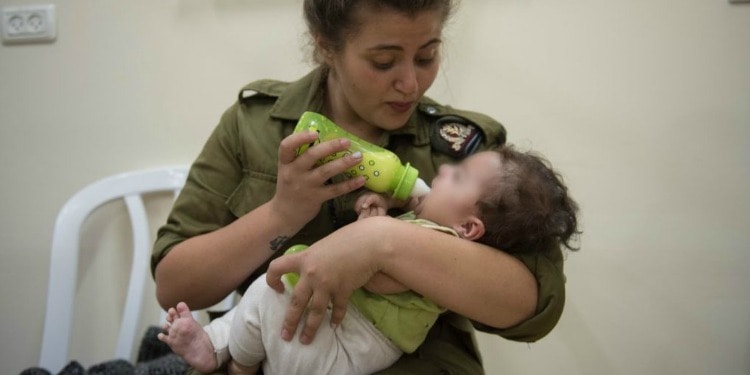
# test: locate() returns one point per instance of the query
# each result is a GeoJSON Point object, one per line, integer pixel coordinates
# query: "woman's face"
{"type": "Point", "coordinates": [457, 188]}
{"type": "Point", "coordinates": [384, 69]}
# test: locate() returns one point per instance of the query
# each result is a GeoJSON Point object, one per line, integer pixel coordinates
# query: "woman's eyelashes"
{"type": "Point", "coordinates": [427, 58]}
{"type": "Point", "coordinates": [423, 60]}
{"type": "Point", "coordinates": [382, 65]}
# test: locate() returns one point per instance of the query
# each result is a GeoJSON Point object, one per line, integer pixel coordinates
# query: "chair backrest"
{"type": "Point", "coordinates": [130, 187]}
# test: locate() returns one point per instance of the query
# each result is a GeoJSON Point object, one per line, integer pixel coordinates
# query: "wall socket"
{"type": "Point", "coordinates": [29, 24]}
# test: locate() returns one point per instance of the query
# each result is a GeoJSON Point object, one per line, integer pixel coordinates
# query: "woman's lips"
{"type": "Point", "coordinates": [400, 107]}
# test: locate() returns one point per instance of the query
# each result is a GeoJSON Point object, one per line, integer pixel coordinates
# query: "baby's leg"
{"type": "Point", "coordinates": [187, 339]}
{"type": "Point", "coordinates": [245, 343]}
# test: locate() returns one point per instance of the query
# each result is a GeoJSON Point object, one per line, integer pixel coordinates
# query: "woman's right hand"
{"type": "Point", "coordinates": [302, 185]}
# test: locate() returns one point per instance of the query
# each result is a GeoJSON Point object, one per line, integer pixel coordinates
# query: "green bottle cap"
{"type": "Point", "coordinates": [406, 182]}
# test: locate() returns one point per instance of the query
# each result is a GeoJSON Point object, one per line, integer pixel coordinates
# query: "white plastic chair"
{"type": "Point", "coordinates": [130, 187]}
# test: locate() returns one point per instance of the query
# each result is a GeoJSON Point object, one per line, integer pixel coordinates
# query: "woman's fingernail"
{"type": "Point", "coordinates": [305, 339]}
{"type": "Point", "coordinates": [285, 335]}
{"type": "Point", "coordinates": [357, 155]}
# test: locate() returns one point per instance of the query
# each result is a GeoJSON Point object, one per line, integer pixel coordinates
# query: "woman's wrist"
{"type": "Point", "coordinates": [278, 227]}
{"type": "Point", "coordinates": [382, 237]}
{"type": "Point", "coordinates": [286, 215]}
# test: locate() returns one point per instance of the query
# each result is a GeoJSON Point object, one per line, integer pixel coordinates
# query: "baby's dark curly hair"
{"type": "Point", "coordinates": [527, 208]}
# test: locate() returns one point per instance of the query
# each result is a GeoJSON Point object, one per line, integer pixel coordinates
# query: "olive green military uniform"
{"type": "Point", "coordinates": [236, 172]}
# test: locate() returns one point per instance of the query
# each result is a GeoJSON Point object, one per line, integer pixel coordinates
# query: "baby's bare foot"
{"type": "Point", "coordinates": [187, 339]}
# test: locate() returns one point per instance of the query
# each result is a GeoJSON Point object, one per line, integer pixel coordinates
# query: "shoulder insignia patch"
{"type": "Point", "coordinates": [455, 136]}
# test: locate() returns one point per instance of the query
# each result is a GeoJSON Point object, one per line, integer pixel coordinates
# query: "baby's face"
{"type": "Point", "coordinates": [457, 189]}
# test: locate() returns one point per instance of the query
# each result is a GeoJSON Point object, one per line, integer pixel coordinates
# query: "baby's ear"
{"type": "Point", "coordinates": [471, 229]}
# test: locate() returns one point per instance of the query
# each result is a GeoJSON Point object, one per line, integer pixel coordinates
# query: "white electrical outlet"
{"type": "Point", "coordinates": [31, 23]}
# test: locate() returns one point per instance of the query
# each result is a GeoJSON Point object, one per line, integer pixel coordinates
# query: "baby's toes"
{"type": "Point", "coordinates": [171, 314]}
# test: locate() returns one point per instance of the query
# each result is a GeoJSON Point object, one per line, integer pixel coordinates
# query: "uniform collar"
{"type": "Point", "coordinates": [307, 94]}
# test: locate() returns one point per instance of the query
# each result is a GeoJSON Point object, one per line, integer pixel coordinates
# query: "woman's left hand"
{"type": "Point", "coordinates": [330, 270]}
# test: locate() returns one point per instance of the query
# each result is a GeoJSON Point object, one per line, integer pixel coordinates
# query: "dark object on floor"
{"type": "Point", "coordinates": [154, 358]}
{"type": "Point", "coordinates": [35, 371]}
{"type": "Point", "coordinates": [115, 367]}
{"type": "Point", "coordinates": [151, 348]}
{"type": "Point", "coordinates": [73, 368]}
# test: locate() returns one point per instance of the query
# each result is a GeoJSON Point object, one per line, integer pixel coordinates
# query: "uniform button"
{"type": "Point", "coordinates": [431, 110]}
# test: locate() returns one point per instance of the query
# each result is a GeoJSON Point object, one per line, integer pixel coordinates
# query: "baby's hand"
{"type": "Point", "coordinates": [371, 204]}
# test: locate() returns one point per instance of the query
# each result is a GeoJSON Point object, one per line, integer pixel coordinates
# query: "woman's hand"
{"type": "Point", "coordinates": [330, 270]}
{"type": "Point", "coordinates": [301, 186]}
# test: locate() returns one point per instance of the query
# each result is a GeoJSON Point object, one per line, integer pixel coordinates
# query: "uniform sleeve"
{"type": "Point", "coordinates": [547, 268]}
{"type": "Point", "coordinates": [201, 206]}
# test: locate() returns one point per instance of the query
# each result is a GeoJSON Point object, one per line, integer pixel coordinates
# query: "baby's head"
{"type": "Point", "coordinates": [507, 199]}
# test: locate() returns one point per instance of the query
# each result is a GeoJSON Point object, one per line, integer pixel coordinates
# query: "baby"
{"type": "Point", "coordinates": [509, 200]}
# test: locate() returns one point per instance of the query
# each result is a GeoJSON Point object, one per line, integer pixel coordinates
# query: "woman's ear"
{"type": "Point", "coordinates": [471, 229]}
{"type": "Point", "coordinates": [323, 50]}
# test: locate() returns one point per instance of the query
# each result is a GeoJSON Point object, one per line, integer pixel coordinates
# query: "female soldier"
{"type": "Point", "coordinates": [248, 195]}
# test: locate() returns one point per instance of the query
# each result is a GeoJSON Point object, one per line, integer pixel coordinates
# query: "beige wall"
{"type": "Point", "coordinates": [644, 106]}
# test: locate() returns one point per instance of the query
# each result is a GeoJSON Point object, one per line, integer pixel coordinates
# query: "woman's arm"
{"type": "Point", "coordinates": [203, 269]}
{"type": "Point", "coordinates": [466, 277]}
{"type": "Point", "coordinates": [471, 279]}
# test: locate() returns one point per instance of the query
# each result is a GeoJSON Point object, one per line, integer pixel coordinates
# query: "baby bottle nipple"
{"type": "Point", "coordinates": [420, 188]}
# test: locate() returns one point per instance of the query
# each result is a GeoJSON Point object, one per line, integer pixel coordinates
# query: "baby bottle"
{"type": "Point", "coordinates": [382, 169]}
{"type": "Point", "coordinates": [293, 277]}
